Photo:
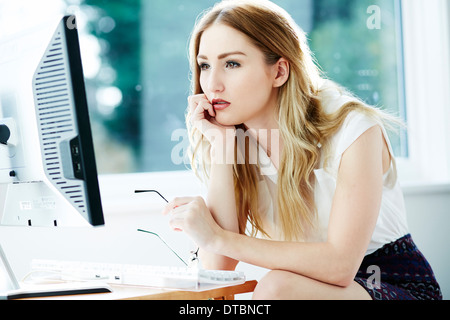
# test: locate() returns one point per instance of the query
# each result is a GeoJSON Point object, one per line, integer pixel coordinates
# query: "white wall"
{"type": "Point", "coordinates": [428, 211]}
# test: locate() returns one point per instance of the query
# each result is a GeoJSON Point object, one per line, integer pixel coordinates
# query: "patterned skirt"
{"type": "Point", "coordinates": [398, 271]}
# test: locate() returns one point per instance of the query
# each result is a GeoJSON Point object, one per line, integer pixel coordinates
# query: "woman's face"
{"type": "Point", "coordinates": [236, 79]}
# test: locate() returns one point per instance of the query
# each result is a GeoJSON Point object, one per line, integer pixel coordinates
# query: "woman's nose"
{"type": "Point", "coordinates": [215, 82]}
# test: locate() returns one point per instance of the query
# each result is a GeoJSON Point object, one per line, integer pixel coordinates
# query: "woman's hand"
{"type": "Point", "coordinates": [192, 216]}
{"type": "Point", "coordinates": [203, 119]}
{"type": "Point", "coordinates": [203, 115]}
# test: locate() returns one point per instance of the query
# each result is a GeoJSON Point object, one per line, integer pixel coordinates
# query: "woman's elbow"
{"type": "Point", "coordinates": [342, 275]}
{"type": "Point", "coordinates": [344, 281]}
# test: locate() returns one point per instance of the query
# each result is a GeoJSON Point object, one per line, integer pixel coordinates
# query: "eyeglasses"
{"type": "Point", "coordinates": [193, 260]}
{"type": "Point", "coordinates": [143, 191]}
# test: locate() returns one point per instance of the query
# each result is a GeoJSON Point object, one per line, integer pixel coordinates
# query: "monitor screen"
{"type": "Point", "coordinates": [48, 174]}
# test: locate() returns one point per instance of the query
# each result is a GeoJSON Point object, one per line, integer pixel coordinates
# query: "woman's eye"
{"type": "Point", "coordinates": [204, 66]}
{"type": "Point", "coordinates": [232, 65]}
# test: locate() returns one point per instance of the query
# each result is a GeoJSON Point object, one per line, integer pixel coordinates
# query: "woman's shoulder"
{"type": "Point", "coordinates": [356, 123]}
{"type": "Point", "coordinates": [333, 98]}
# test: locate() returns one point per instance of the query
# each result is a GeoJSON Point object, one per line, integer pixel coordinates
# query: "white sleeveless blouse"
{"type": "Point", "coordinates": [391, 223]}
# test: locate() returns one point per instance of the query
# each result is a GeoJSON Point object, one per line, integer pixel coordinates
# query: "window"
{"type": "Point", "coordinates": [427, 79]}
{"type": "Point", "coordinates": [139, 94]}
{"type": "Point", "coordinates": [359, 45]}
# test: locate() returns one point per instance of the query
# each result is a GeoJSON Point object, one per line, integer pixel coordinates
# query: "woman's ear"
{"type": "Point", "coordinates": [282, 72]}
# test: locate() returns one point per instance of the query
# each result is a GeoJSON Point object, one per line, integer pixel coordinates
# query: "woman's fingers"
{"type": "Point", "coordinates": [205, 105]}
{"type": "Point", "coordinates": [176, 207]}
{"type": "Point", "coordinates": [180, 212]}
{"type": "Point", "coordinates": [198, 104]}
{"type": "Point", "coordinates": [176, 221]}
{"type": "Point", "coordinates": [192, 216]}
{"type": "Point", "coordinates": [176, 202]}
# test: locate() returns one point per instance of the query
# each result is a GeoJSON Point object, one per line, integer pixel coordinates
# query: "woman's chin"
{"type": "Point", "coordinates": [225, 121]}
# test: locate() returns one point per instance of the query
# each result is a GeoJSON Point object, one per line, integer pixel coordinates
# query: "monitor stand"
{"type": "Point", "coordinates": [36, 204]}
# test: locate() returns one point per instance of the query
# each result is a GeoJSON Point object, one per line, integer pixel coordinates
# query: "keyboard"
{"type": "Point", "coordinates": [133, 274]}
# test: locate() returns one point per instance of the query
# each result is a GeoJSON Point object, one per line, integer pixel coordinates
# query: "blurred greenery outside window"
{"type": "Point", "coordinates": [138, 95]}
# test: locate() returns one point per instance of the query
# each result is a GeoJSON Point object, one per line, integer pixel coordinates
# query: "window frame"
{"type": "Point", "coordinates": [427, 79]}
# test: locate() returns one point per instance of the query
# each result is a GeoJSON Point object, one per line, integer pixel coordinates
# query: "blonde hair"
{"type": "Point", "coordinates": [303, 123]}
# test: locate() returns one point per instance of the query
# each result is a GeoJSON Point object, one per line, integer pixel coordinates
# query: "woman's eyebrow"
{"type": "Point", "coordinates": [223, 55]}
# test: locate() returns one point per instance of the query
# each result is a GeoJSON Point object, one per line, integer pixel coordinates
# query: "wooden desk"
{"type": "Point", "coordinates": [121, 292]}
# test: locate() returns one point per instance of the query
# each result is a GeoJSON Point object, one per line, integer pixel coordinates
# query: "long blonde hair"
{"type": "Point", "coordinates": [303, 123]}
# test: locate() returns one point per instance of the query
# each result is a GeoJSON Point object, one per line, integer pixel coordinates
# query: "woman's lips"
{"type": "Point", "coordinates": [219, 104]}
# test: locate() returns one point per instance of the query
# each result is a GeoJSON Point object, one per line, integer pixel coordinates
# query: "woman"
{"type": "Point", "coordinates": [318, 202]}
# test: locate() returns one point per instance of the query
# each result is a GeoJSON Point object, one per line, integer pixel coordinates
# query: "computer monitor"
{"type": "Point", "coordinates": [48, 174]}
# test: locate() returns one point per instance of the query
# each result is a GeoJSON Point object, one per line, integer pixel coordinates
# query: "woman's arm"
{"type": "Point", "coordinates": [222, 205]}
{"type": "Point", "coordinates": [221, 199]}
{"type": "Point", "coordinates": [353, 217]}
